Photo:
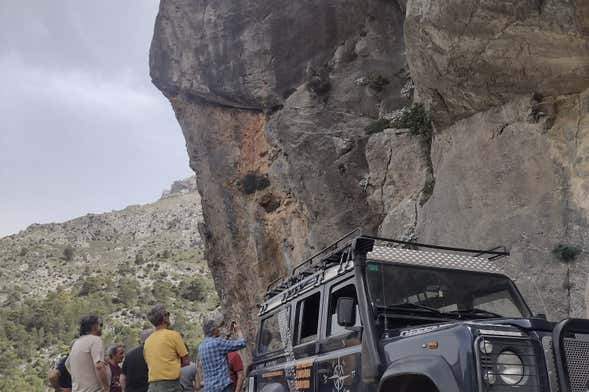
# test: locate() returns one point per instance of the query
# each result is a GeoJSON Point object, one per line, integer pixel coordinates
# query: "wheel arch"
{"type": "Point", "coordinates": [419, 373]}
{"type": "Point", "coordinates": [408, 383]}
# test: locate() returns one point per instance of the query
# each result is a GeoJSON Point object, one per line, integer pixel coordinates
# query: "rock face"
{"type": "Point", "coordinates": [286, 110]}
{"type": "Point", "coordinates": [467, 56]}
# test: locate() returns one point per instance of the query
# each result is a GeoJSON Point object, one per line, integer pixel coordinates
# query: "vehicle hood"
{"type": "Point", "coordinates": [528, 324]}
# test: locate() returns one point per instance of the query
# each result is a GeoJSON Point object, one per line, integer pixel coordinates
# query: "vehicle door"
{"type": "Point", "coordinates": [338, 364]}
{"type": "Point", "coordinates": [307, 320]}
{"type": "Point", "coordinates": [292, 367]}
{"type": "Point", "coordinates": [271, 352]}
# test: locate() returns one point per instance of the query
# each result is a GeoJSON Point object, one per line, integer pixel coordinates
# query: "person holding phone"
{"type": "Point", "coordinates": [213, 355]}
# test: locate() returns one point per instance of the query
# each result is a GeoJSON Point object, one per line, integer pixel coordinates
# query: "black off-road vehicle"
{"type": "Point", "coordinates": [367, 315]}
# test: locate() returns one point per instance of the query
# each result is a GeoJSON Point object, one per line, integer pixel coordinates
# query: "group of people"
{"type": "Point", "coordinates": [161, 363]}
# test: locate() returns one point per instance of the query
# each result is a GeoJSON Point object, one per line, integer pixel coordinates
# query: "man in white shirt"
{"type": "Point", "coordinates": [86, 360]}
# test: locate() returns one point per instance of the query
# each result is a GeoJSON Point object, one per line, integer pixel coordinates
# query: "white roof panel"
{"type": "Point", "coordinates": [433, 259]}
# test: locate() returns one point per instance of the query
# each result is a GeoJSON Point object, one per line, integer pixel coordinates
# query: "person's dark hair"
{"type": "Point", "coordinates": [157, 314]}
{"type": "Point", "coordinates": [112, 350]}
{"type": "Point", "coordinates": [87, 322]}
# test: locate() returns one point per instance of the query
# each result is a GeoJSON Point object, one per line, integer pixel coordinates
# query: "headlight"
{"type": "Point", "coordinates": [510, 368]}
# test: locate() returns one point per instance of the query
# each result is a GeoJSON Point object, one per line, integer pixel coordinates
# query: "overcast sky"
{"type": "Point", "coordinates": [82, 129]}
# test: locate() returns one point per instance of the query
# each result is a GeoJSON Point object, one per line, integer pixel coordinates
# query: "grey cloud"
{"type": "Point", "coordinates": [82, 128]}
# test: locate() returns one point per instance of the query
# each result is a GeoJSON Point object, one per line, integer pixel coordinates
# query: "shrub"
{"type": "Point", "coordinates": [68, 253]}
{"type": "Point", "coordinates": [161, 291]}
{"type": "Point", "coordinates": [566, 253]}
{"type": "Point", "coordinates": [128, 291]}
{"type": "Point", "coordinates": [94, 284]}
{"type": "Point", "coordinates": [416, 118]}
{"type": "Point", "coordinates": [194, 290]}
{"type": "Point", "coordinates": [124, 269]}
{"type": "Point", "coordinates": [89, 285]}
{"type": "Point", "coordinates": [139, 259]}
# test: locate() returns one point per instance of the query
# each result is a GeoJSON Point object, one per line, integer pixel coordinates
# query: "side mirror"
{"type": "Point", "coordinates": [346, 311]}
{"type": "Point", "coordinates": [541, 316]}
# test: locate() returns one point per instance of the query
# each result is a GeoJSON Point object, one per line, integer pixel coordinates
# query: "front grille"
{"type": "Point", "coordinates": [491, 379]}
{"type": "Point", "coordinates": [571, 352]}
{"type": "Point", "coordinates": [576, 353]}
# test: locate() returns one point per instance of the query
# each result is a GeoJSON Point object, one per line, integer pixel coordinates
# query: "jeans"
{"type": "Point", "coordinates": [165, 386]}
{"type": "Point", "coordinates": [228, 388]}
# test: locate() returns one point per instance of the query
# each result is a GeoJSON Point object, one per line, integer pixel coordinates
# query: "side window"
{"type": "Point", "coordinates": [269, 339]}
{"type": "Point", "coordinates": [333, 328]}
{"type": "Point", "coordinates": [307, 319]}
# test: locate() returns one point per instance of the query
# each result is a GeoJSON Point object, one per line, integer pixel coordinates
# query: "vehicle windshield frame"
{"type": "Point", "coordinates": [518, 300]}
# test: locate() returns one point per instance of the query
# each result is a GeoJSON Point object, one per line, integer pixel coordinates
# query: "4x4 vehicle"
{"type": "Point", "coordinates": [366, 315]}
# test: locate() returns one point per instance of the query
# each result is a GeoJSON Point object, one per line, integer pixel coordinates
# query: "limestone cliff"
{"type": "Point", "coordinates": [291, 116]}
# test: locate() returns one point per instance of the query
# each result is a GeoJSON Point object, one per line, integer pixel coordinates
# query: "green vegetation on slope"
{"type": "Point", "coordinates": [35, 331]}
{"type": "Point", "coordinates": [116, 265]}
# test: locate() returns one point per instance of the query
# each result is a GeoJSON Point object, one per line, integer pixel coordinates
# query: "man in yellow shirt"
{"type": "Point", "coordinates": [165, 353]}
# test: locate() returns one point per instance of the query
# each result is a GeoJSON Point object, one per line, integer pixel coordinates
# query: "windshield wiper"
{"type": "Point", "coordinates": [476, 312]}
{"type": "Point", "coordinates": [414, 307]}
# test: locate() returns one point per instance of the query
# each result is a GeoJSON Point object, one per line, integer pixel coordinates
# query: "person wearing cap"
{"type": "Point", "coordinates": [213, 355]}
{"type": "Point", "coordinates": [165, 353]}
{"type": "Point", "coordinates": [134, 376]}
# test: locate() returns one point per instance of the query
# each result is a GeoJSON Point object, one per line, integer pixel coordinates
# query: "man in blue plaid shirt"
{"type": "Point", "coordinates": [213, 356]}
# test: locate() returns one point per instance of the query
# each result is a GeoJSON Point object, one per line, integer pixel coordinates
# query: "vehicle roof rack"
{"type": "Point", "coordinates": [337, 252]}
{"type": "Point", "coordinates": [325, 257]}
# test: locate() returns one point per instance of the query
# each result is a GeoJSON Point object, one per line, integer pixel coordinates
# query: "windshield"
{"type": "Point", "coordinates": [438, 293]}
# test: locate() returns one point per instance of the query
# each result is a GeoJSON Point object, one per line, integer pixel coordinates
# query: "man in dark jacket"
{"type": "Point", "coordinates": [134, 369]}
